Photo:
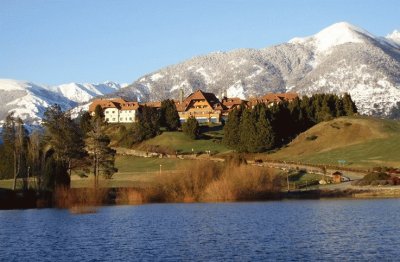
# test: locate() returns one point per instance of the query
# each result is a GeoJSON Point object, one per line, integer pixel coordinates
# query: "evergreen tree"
{"type": "Point", "coordinates": [248, 132]}
{"type": "Point", "coordinates": [348, 104]}
{"type": "Point", "coordinates": [169, 117]}
{"type": "Point", "coordinates": [149, 122]}
{"type": "Point", "coordinates": [191, 128]}
{"type": "Point", "coordinates": [265, 134]}
{"type": "Point", "coordinates": [85, 122]}
{"type": "Point", "coordinates": [339, 109]}
{"type": "Point", "coordinates": [231, 129]}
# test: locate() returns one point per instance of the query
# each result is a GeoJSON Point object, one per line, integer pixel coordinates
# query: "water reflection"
{"type": "Point", "coordinates": [281, 230]}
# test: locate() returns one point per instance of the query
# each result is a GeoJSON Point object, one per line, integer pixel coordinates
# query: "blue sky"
{"type": "Point", "coordinates": [60, 41]}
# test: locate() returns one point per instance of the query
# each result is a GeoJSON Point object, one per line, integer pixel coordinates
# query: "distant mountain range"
{"type": "Point", "coordinates": [29, 100]}
{"type": "Point", "coordinates": [340, 58]}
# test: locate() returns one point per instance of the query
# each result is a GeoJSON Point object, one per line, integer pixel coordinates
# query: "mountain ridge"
{"type": "Point", "coordinates": [29, 100]}
{"type": "Point", "coordinates": [340, 58]}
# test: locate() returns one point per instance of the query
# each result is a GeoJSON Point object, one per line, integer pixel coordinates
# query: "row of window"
{"type": "Point", "coordinates": [122, 111]}
{"type": "Point", "coordinates": [120, 119]}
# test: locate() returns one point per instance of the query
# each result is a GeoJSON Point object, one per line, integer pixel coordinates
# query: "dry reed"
{"type": "Point", "coordinates": [79, 197]}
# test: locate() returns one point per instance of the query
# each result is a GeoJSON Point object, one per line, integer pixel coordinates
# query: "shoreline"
{"type": "Point", "coordinates": [11, 200]}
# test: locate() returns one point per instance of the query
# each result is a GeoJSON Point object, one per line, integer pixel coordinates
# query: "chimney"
{"type": "Point", "coordinates": [226, 93]}
{"type": "Point", "coordinates": [181, 95]}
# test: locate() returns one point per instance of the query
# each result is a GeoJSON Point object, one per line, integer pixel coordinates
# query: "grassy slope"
{"type": "Point", "coordinates": [360, 141]}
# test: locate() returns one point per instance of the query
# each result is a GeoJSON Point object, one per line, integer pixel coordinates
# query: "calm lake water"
{"type": "Point", "coordinates": [367, 230]}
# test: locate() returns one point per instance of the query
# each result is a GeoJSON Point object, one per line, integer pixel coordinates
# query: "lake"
{"type": "Point", "coordinates": [366, 230]}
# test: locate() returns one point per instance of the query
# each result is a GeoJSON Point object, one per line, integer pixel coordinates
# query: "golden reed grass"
{"type": "Point", "coordinates": [202, 181]}
{"type": "Point", "coordinates": [76, 198]}
{"type": "Point", "coordinates": [210, 181]}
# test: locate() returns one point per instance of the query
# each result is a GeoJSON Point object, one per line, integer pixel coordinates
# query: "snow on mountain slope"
{"type": "Point", "coordinates": [81, 93]}
{"type": "Point", "coordinates": [334, 35]}
{"type": "Point", "coordinates": [29, 101]}
{"type": "Point", "coordinates": [394, 37]}
{"type": "Point", "coordinates": [340, 58]}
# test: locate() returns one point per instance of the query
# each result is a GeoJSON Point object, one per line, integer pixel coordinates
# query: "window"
{"type": "Point", "coordinates": [107, 119]}
{"type": "Point", "coordinates": [113, 111]}
{"type": "Point", "coordinates": [130, 118]}
{"type": "Point", "coordinates": [121, 118]}
{"type": "Point", "coordinates": [113, 119]}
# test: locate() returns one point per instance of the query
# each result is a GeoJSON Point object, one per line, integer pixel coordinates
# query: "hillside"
{"type": "Point", "coordinates": [360, 141]}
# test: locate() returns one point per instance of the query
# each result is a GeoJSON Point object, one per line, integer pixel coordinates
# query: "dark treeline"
{"type": "Point", "coordinates": [263, 128]}
{"type": "Point", "coordinates": [46, 158]}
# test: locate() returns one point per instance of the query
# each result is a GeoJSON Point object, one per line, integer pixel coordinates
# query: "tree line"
{"type": "Point", "coordinates": [263, 128]}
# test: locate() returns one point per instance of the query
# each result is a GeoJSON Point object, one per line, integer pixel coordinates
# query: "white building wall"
{"type": "Point", "coordinates": [127, 116]}
{"type": "Point", "coordinates": [111, 115]}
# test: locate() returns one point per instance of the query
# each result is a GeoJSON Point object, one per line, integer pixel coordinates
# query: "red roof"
{"type": "Point", "coordinates": [210, 98]}
{"type": "Point", "coordinates": [118, 103]}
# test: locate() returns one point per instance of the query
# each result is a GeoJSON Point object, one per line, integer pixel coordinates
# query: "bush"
{"type": "Point", "coordinates": [191, 128]}
{"type": "Point", "coordinates": [375, 176]}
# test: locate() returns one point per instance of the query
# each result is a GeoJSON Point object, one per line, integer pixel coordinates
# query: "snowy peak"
{"type": "Point", "coordinates": [394, 37]}
{"type": "Point", "coordinates": [29, 100]}
{"type": "Point", "coordinates": [334, 35]}
{"type": "Point", "coordinates": [84, 92]}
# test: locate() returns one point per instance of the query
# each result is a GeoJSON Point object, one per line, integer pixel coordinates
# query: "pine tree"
{"type": "Point", "coordinates": [339, 108]}
{"type": "Point", "coordinates": [85, 122]}
{"type": "Point", "coordinates": [231, 129]}
{"type": "Point", "coordinates": [248, 132]}
{"type": "Point", "coordinates": [265, 133]}
{"type": "Point", "coordinates": [191, 128]}
{"type": "Point", "coordinates": [169, 117]}
{"type": "Point", "coordinates": [149, 122]}
{"type": "Point", "coordinates": [349, 105]}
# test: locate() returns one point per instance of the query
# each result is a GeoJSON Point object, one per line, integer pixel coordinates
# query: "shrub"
{"type": "Point", "coordinates": [191, 128]}
{"type": "Point", "coordinates": [375, 176]}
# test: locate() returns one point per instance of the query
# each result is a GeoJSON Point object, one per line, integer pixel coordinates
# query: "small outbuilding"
{"type": "Point", "coordinates": [337, 177]}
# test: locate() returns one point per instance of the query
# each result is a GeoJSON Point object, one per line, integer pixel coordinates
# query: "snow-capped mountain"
{"type": "Point", "coordinates": [340, 58]}
{"type": "Point", "coordinates": [29, 101]}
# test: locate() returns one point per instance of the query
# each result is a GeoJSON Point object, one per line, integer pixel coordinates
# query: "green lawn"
{"type": "Point", "coordinates": [132, 172]}
{"type": "Point", "coordinates": [135, 171]}
{"type": "Point", "coordinates": [178, 141]}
